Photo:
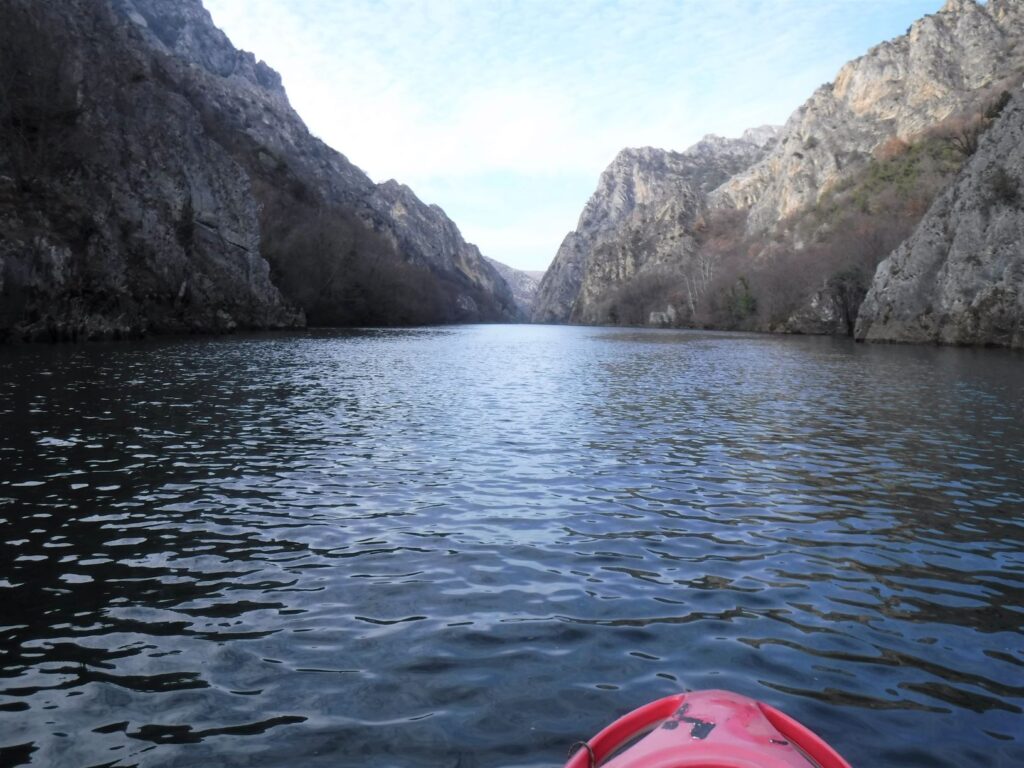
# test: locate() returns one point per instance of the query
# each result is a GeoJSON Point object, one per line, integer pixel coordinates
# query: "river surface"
{"type": "Point", "coordinates": [473, 546]}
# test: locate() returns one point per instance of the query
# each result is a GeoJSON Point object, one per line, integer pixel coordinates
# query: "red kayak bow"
{"type": "Point", "coordinates": [706, 729]}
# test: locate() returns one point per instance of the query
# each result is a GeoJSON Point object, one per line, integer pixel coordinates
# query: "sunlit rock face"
{"type": "Point", "coordinates": [649, 202]}
{"type": "Point", "coordinates": [141, 157]}
{"type": "Point", "coordinates": [899, 88]}
{"type": "Point", "coordinates": [642, 189]}
{"type": "Point", "coordinates": [959, 279]}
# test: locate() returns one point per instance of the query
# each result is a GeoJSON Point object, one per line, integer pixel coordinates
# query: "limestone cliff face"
{"type": "Point", "coordinates": [523, 285]}
{"type": "Point", "coordinates": [959, 279]}
{"type": "Point", "coordinates": [246, 99]}
{"type": "Point", "coordinates": [119, 214]}
{"type": "Point", "coordinates": [778, 205]}
{"type": "Point", "coordinates": [144, 159]}
{"type": "Point", "coordinates": [235, 94]}
{"type": "Point", "coordinates": [429, 237]}
{"type": "Point", "coordinates": [898, 89]}
{"type": "Point", "coordinates": [642, 187]}
{"type": "Point", "coordinates": [560, 285]}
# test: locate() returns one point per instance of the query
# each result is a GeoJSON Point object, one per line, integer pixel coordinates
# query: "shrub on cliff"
{"type": "Point", "coordinates": [1003, 187]}
{"type": "Point", "coordinates": [633, 301]}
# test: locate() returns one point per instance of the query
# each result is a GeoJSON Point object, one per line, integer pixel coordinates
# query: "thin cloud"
{"type": "Point", "coordinates": [444, 93]}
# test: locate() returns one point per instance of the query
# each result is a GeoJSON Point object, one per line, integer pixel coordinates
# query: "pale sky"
{"type": "Point", "coordinates": [505, 112]}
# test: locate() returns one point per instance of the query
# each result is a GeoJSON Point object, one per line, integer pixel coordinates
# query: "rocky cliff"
{"type": "Point", "coordinates": [478, 290]}
{"type": "Point", "coordinates": [789, 240]}
{"type": "Point", "coordinates": [118, 211]}
{"type": "Point", "coordinates": [959, 279]}
{"type": "Point", "coordinates": [641, 187]}
{"type": "Point", "coordinates": [900, 88]}
{"type": "Point", "coordinates": [154, 178]}
{"type": "Point", "coordinates": [523, 285]}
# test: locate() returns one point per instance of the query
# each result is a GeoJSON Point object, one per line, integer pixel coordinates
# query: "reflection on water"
{"type": "Point", "coordinates": [474, 546]}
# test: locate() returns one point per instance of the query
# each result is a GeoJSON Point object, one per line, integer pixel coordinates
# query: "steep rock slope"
{"type": "Point", "coordinates": [523, 285]}
{"type": "Point", "coordinates": [431, 238]}
{"type": "Point", "coordinates": [207, 181]}
{"type": "Point", "coordinates": [118, 213]}
{"type": "Point", "coordinates": [250, 111]}
{"type": "Point", "coordinates": [900, 88]}
{"type": "Point", "coordinates": [959, 279]}
{"type": "Point", "coordinates": [789, 242]}
{"type": "Point", "coordinates": [640, 186]}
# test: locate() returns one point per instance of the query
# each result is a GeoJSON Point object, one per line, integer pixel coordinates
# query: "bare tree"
{"type": "Point", "coordinates": [964, 134]}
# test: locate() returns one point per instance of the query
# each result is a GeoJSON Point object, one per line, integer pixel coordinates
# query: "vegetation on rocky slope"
{"type": "Point", "coordinates": [792, 243]}
{"type": "Point", "coordinates": [959, 278]}
{"type": "Point", "coordinates": [811, 273]}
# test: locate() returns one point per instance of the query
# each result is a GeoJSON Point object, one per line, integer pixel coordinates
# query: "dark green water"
{"type": "Point", "coordinates": [475, 546]}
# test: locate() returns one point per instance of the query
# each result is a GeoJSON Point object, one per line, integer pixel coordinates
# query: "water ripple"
{"type": "Point", "coordinates": [474, 546]}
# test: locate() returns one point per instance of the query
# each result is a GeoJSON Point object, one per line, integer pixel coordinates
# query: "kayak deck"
{"type": "Point", "coordinates": [706, 729]}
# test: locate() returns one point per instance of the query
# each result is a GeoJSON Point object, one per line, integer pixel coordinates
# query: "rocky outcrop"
{"type": "Point", "coordinates": [940, 75]}
{"type": "Point", "coordinates": [942, 66]}
{"type": "Point", "coordinates": [560, 285]}
{"type": "Point", "coordinates": [523, 285]}
{"type": "Point", "coordinates": [250, 110]}
{"type": "Point", "coordinates": [641, 188]}
{"type": "Point", "coordinates": [788, 240]}
{"type": "Point", "coordinates": [959, 279]}
{"type": "Point", "coordinates": [242, 101]}
{"type": "Point", "coordinates": [119, 213]}
{"type": "Point", "coordinates": [430, 238]}
{"type": "Point", "coordinates": [144, 163]}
